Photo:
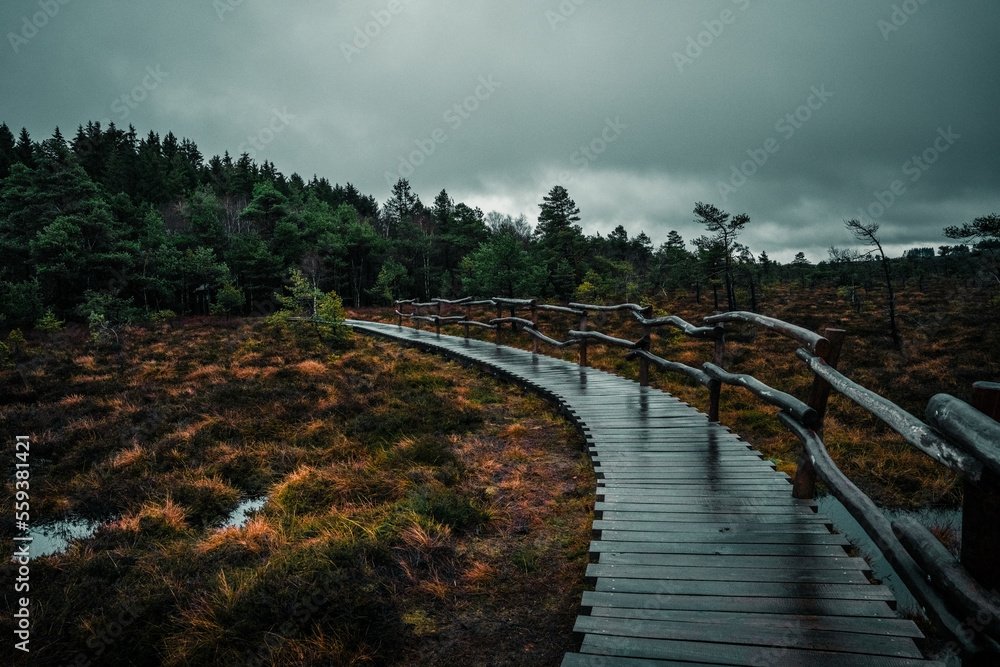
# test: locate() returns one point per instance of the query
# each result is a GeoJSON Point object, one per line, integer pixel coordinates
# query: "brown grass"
{"type": "Point", "coordinates": [406, 496]}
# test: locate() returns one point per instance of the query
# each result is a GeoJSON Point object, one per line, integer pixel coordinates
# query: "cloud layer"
{"type": "Point", "coordinates": [801, 114]}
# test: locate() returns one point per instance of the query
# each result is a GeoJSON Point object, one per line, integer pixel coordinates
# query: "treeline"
{"type": "Point", "coordinates": [120, 226]}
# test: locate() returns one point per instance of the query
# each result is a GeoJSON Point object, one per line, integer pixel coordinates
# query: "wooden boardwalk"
{"type": "Point", "coordinates": [700, 554]}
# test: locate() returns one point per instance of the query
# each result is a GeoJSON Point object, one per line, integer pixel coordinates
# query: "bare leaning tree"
{"type": "Point", "coordinates": [866, 233]}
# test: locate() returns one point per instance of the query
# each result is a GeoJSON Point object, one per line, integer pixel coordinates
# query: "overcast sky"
{"type": "Point", "coordinates": [800, 113]}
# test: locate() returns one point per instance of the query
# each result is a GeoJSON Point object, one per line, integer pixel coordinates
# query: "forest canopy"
{"type": "Point", "coordinates": [111, 224]}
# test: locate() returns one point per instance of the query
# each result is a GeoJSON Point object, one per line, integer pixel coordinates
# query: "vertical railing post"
{"type": "Point", "coordinates": [534, 325]}
{"type": "Point", "coordinates": [468, 316]}
{"type": "Point", "coordinates": [804, 484]}
{"type": "Point", "coordinates": [416, 311]}
{"type": "Point", "coordinates": [499, 326]}
{"type": "Point", "coordinates": [647, 333]}
{"type": "Point", "coordinates": [437, 322]}
{"type": "Point", "coordinates": [583, 341]}
{"type": "Point", "coordinates": [720, 345]}
{"type": "Point", "coordinates": [981, 506]}
{"type": "Point", "coordinates": [714, 395]}
{"type": "Point", "coordinates": [715, 388]}
{"type": "Point", "coordinates": [399, 314]}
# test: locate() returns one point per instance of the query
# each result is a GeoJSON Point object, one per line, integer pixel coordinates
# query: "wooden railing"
{"type": "Point", "coordinates": [959, 597]}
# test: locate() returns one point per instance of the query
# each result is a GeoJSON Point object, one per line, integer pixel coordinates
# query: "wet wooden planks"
{"type": "Point", "coordinates": [700, 554]}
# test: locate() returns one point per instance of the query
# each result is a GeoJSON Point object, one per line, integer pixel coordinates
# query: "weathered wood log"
{"type": "Point", "coordinates": [473, 323]}
{"type": "Point", "coordinates": [686, 327]}
{"type": "Point", "coordinates": [816, 343]}
{"type": "Point", "coordinates": [485, 302]}
{"type": "Point", "coordinates": [424, 305]}
{"type": "Point", "coordinates": [967, 427]}
{"type": "Point", "coordinates": [551, 341]}
{"type": "Point", "coordinates": [695, 374]}
{"type": "Point", "coordinates": [917, 433]}
{"type": "Point", "coordinates": [464, 300]}
{"type": "Point", "coordinates": [948, 576]}
{"type": "Point", "coordinates": [786, 402]}
{"type": "Point", "coordinates": [512, 320]}
{"type": "Point", "coordinates": [559, 309]}
{"type": "Point", "coordinates": [603, 338]}
{"type": "Point", "coordinates": [592, 308]}
{"type": "Point", "coordinates": [879, 530]}
{"type": "Point", "coordinates": [399, 303]}
{"type": "Point", "coordinates": [514, 302]}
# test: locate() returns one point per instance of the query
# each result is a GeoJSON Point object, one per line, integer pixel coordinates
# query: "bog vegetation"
{"type": "Point", "coordinates": [417, 511]}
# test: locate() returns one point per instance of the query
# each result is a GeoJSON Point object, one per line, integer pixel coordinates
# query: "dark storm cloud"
{"type": "Point", "coordinates": [800, 114]}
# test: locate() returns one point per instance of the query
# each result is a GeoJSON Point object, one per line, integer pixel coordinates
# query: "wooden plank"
{"type": "Point", "coordinates": [896, 627]}
{"type": "Point", "coordinates": [735, 455]}
{"type": "Point", "coordinates": [711, 501]}
{"type": "Point", "coordinates": [742, 561]}
{"type": "Point", "coordinates": [685, 533]}
{"type": "Point", "coordinates": [713, 506]}
{"type": "Point", "coordinates": [746, 548]}
{"type": "Point", "coordinates": [750, 464]}
{"type": "Point", "coordinates": [706, 518]}
{"type": "Point", "coordinates": [683, 477]}
{"type": "Point", "coordinates": [736, 654]}
{"type": "Point", "coordinates": [740, 453]}
{"type": "Point", "coordinates": [812, 639]}
{"type": "Point", "coordinates": [721, 487]}
{"type": "Point", "coordinates": [670, 496]}
{"type": "Point", "coordinates": [739, 604]}
{"type": "Point", "coordinates": [747, 589]}
{"type": "Point", "coordinates": [703, 472]}
{"type": "Point", "coordinates": [802, 573]}
{"type": "Point", "coordinates": [708, 525]}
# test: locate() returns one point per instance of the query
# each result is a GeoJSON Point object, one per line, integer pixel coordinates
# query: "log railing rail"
{"type": "Point", "coordinates": [965, 438]}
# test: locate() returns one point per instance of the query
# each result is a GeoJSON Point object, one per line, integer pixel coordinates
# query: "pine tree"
{"type": "Point", "coordinates": [7, 154]}
{"type": "Point", "coordinates": [399, 209]}
{"type": "Point", "coordinates": [560, 240]}
{"type": "Point", "coordinates": [726, 230]}
{"type": "Point", "coordinates": [25, 149]}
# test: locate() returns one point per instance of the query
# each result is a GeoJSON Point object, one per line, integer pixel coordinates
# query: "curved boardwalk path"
{"type": "Point", "coordinates": [700, 554]}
